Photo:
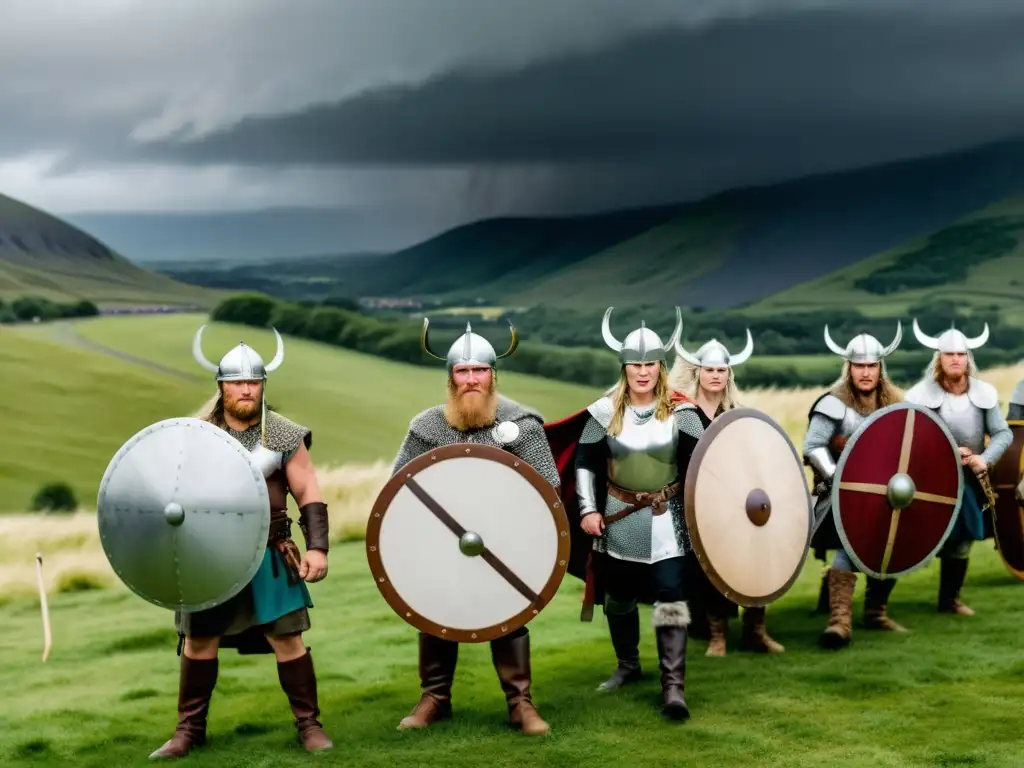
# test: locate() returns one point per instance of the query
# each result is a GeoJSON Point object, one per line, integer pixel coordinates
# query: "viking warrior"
{"type": "Point", "coordinates": [270, 614]}
{"type": "Point", "coordinates": [707, 377]}
{"type": "Point", "coordinates": [970, 409]}
{"type": "Point", "coordinates": [862, 388]}
{"type": "Point", "coordinates": [632, 456]}
{"type": "Point", "coordinates": [476, 413]}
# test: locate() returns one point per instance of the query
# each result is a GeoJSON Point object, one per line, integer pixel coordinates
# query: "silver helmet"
{"type": "Point", "coordinates": [714, 354]}
{"type": "Point", "coordinates": [642, 345]}
{"type": "Point", "coordinates": [470, 348]}
{"type": "Point", "coordinates": [865, 348]}
{"type": "Point", "coordinates": [241, 363]}
{"type": "Point", "coordinates": [950, 340]}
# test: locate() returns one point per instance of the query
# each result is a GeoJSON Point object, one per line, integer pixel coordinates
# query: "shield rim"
{"type": "Point", "coordinates": [262, 491]}
{"type": "Point", "coordinates": [837, 479]}
{"type": "Point", "coordinates": [718, 424]}
{"type": "Point", "coordinates": [1017, 573]}
{"type": "Point", "coordinates": [431, 458]}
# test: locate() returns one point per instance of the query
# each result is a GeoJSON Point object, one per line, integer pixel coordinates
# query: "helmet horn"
{"type": "Point", "coordinates": [425, 341]}
{"type": "Point", "coordinates": [681, 351]}
{"type": "Point", "coordinates": [515, 342]}
{"type": "Point", "coordinates": [896, 341]}
{"type": "Point", "coordinates": [197, 352]}
{"type": "Point", "coordinates": [832, 345]}
{"type": "Point", "coordinates": [926, 340]}
{"type": "Point", "coordinates": [606, 331]}
{"type": "Point", "coordinates": [278, 355]}
{"type": "Point", "coordinates": [977, 341]}
{"type": "Point", "coordinates": [677, 332]}
{"type": "Point", "coordinates": [747, 351]}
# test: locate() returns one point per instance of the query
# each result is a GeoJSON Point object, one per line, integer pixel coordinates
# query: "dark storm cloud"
{"type": "Point", "coordinates": [771, 91]}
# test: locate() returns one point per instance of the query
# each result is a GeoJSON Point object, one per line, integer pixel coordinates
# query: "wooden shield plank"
{"type": "Point", "coordinates": [1009, 513]}
{"type": "Point", "coordinates": [468, 542]}
{"type": "Point", "coordinates": [897, 490]}
{"type": "Point", "coordinates": [747, 507]}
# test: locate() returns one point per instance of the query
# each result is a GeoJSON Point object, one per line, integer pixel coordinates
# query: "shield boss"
{"type": "Point", "coordinates": [468, 542]}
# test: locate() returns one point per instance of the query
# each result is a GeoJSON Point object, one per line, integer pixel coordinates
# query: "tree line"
{"type": "Point", "coordinates": [28, 308]}
{"type": "Point", "coordinates": [393, 336]}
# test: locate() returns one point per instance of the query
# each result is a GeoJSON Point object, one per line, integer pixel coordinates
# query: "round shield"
{"type": "Point", "coordinates": [896, 490]}
{"type": "Point", "coordinates": [1008, 523]}
{"type": "Point", "coordinates": [183, 515]}
{"type": "Point", "coordinates": [747, 507]}
{"type": "Point", "coordinates": [468, 542]}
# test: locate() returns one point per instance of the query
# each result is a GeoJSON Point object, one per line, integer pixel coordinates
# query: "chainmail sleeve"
{"type": "Point", "coordinates": [820, 431]}
{"type": "Point", "coordinates": [411, 447]}
{"type": "Point", "coordinates": [1001, 434]}
{"type": "Point", "coordinates": [533, 448]}
{"type": "Point", "coordinates": [690, 430]}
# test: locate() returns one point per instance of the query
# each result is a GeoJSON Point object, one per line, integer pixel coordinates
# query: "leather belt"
{"type": "Point", "coordinates": [656, 500]}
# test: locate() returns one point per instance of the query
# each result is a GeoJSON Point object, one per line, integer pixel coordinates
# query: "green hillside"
{"type": "Point", "coordinates": [41, 255]}
{"type": "Point", "coordinates": [68, 409]}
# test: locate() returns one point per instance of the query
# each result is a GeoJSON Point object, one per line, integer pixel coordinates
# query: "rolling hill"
{"type": "Point", "coordinates": [767, 246]}
{"type": "Point", "coordinates": [41, 255]}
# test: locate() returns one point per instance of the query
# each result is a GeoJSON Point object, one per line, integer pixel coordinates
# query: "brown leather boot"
{"type": "Point", "coordinates": [755, 637]}
{"type": "Point", "coordinates": [511, 657]}
{"type": "Point", "coordinates": [298, 681]}
{"type": "Point", "coordinates": [876, 599]}
{"type": "Point", "coordinates": [195, 687]}
{"type": "Point", "coordinates": [670, 623]}
{"type": "Point", "coordinates": [952, 572]}
{"type": "Point", "coordinates": [625, 632]}
{"type": "Point", "coordinates": [840, 626]}
{"type": "Point", "coordinates": [437, 672]}
{"type": "Point", "coordinates": [719, 628]}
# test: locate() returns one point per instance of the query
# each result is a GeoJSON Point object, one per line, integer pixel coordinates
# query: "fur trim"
{"type": "Point", "coordinates": [671, 614]}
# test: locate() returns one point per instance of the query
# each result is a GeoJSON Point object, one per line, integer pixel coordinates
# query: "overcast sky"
{"type": "Point", "coordinates": [456, 109]}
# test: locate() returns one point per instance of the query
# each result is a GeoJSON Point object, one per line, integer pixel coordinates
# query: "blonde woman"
{"type": "Point", "coordinates": [632, 455]}
{"type": "Point", "coordinates": [707, 378]}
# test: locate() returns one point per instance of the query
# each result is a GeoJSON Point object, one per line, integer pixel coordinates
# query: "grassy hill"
{"type": "Point", "coordinates": [70, 408]}
{"type": "Point", "coordinates": [731, 250]}
{"type": "Point", "coordinates": [41, 255]}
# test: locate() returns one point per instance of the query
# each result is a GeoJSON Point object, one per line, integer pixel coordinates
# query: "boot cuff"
{"type": "Point", "coordinates": [671, 614]}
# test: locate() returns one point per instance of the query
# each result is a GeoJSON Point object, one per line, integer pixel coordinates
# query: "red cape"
{"type": "Point", "coordinates": [563, 438]}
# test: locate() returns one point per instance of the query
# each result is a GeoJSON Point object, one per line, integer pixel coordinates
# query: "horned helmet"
{"type": "Point", "coordinates": [641, 345]}
{"type": "Point", "coordinates": [714, 354]}
{"type": "Point", "coordinates": [864, 348]}
{"type": "Point", "coordinates": [470, 348]}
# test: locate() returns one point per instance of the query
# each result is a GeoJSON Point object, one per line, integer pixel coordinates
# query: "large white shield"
{"type": "Point", "coordinates": [183, 515]}
{"type": "Point", "coordinates": [468, 542]}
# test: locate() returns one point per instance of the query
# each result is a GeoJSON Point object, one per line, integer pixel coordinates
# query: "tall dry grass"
{"type": "Point", "coordinates": [73, 558]}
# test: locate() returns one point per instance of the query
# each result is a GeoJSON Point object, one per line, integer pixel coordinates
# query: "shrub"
{"type": "Point", "coordinates": [55, 497]}
{"type": "Point", "coordinates": [78, 581]}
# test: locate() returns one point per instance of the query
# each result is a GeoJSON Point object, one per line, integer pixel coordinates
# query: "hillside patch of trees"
{"type": "Point", "coordinates": [27, 308]}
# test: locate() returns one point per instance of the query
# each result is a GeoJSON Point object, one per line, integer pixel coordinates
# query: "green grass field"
{"type": "Point", "coordinates": [358, 406]}
{"type": "Point", "coordinates": [946, 693]}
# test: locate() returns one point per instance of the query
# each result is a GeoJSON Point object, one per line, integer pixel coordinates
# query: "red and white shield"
{"type": "Point", "coordinates": [897, 490]}
{"type": "Point", "coordinates": [1008, 523]}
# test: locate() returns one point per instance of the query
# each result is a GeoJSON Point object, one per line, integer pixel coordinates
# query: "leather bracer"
{"type": "Point", "coordinates": [314, 524]}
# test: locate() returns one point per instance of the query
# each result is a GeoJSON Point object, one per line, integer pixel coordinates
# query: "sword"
{"type": "Point", "coordinates": [47, 637]}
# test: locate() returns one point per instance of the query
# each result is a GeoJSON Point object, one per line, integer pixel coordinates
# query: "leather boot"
{"type": "Point", "coordinates": [755, 637]}
{"type": "Point", "coordinates": [437, 673]}
{"type": "Point", "coordinates": [952, 572]}
{"type": "Point", "coordinates": [876, 599]}
{"type": "Point", "coordinates": [625, 632]}
{"type": "Point", "coordinates": [195, 687]}
{"type": "Point", "coordinates": [511, 657]}
{"type": "Point", "coordinates": [298, 681]}
{"type": "Point", "coordinates": [719, 629]}
{"type": "Point", "coordinates": [840, 592]}
{"type": "Point", "coordinates": [670, 622]}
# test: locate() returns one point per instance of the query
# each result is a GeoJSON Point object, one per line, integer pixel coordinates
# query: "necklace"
{"type": "Point", "coordinates": [641, 417]}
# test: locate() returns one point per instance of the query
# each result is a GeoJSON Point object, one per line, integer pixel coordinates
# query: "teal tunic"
{"type": "Point", "coordinates": [272, 595]}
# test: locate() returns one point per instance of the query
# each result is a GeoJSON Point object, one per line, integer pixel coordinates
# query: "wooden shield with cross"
{"type": "Point", "coordinates": [468, 542]}
{"type": "Point", "coordinates": [1008, 523]}
{"type": "Point", "coordinates": [897, 490]}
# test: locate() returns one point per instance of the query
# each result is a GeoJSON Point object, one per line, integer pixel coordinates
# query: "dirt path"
{"type": "Point", "coordinates": [66, 333]}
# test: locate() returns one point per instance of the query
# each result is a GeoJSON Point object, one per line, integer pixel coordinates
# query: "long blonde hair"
{"type": "Point", "coordinates": [886, 392]}
{"type": "Point", "coordinates": [934, 369]}
{"type": "Point", "coordinates": [619, 395]}
{"type": "Point", "coordinates": [685, 378]}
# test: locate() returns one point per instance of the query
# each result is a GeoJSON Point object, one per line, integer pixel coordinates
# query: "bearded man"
{"type": "Point", "coordinates": [476, 413]}
{"type": "Point", "coordinates": [969, 407]}
{"type": "Point", "coordinates": [707, 377]}
{"type": "Point", "coordinates": [270, 614]}
{"type": "Point", "coordinates": [863, 387]}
